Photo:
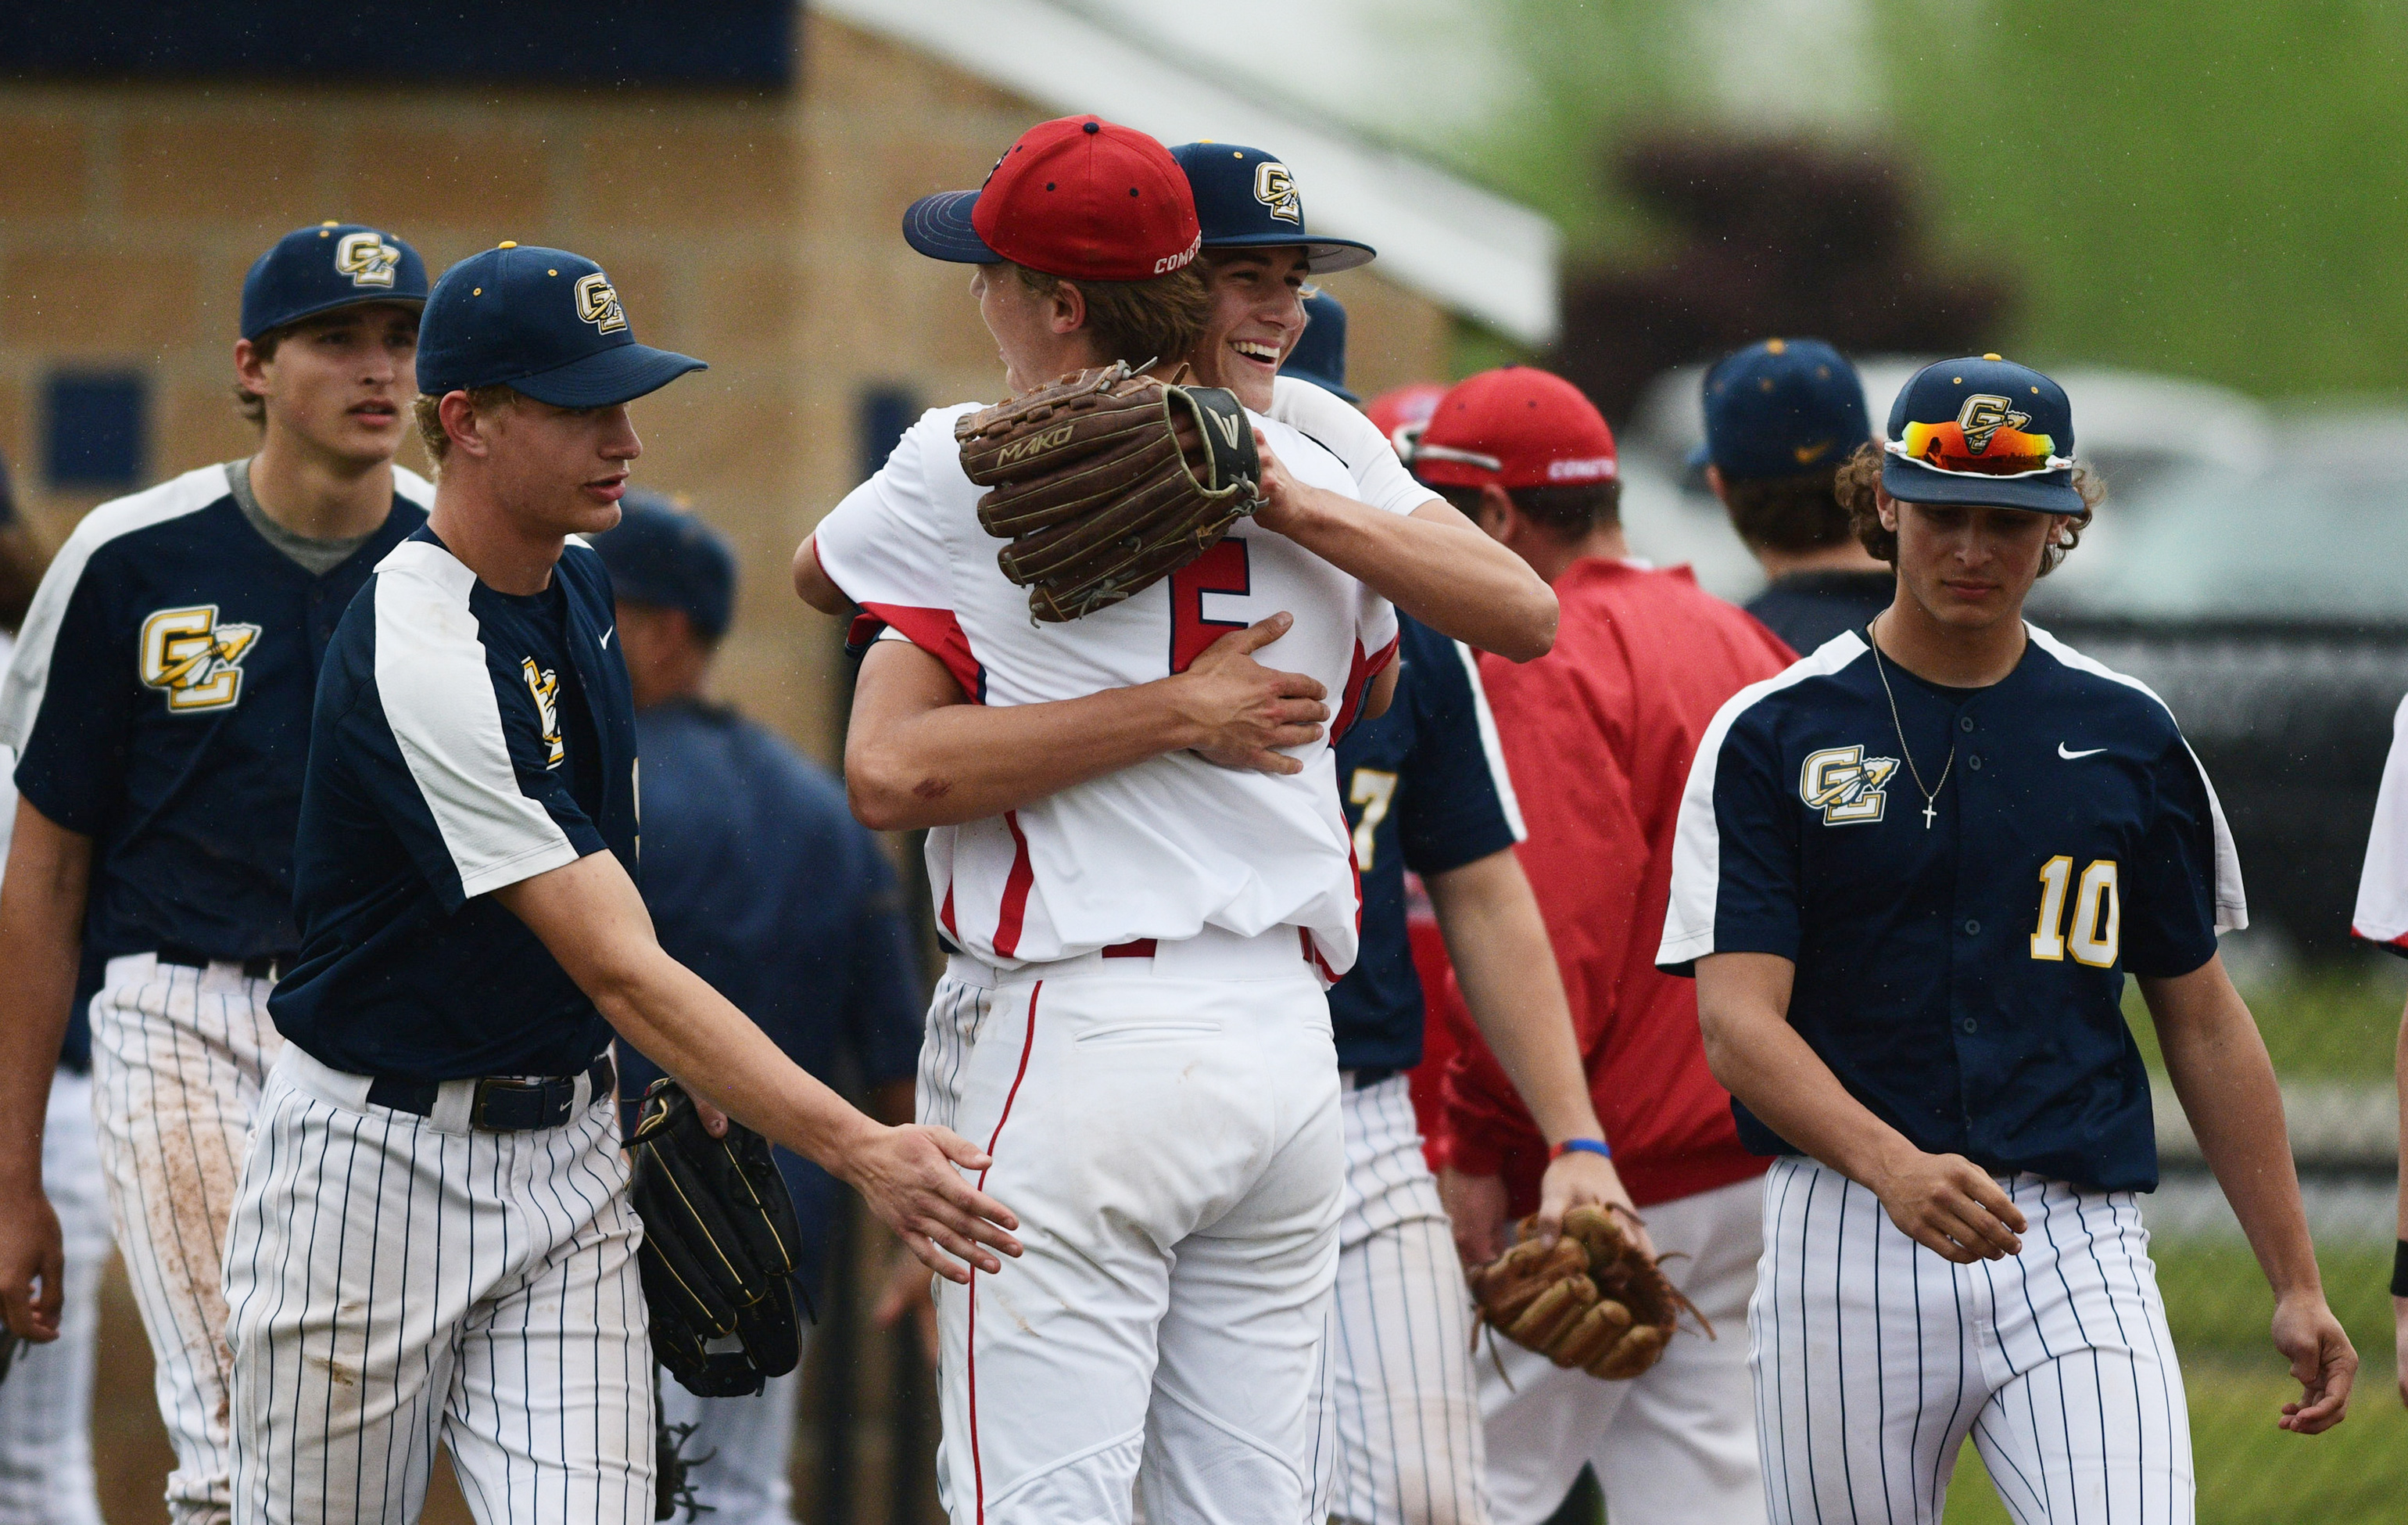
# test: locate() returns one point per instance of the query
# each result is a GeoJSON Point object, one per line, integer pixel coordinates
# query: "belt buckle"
{"type": "Point", "coordinates": [513, 1106]}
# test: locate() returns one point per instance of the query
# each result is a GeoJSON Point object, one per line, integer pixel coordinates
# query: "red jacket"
{"type": "Point", "coordinates": [1597, 736]}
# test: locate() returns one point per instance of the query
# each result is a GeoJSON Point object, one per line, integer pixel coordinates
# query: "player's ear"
{"type": "Point", "coordinates": [1715, 482]}
{"type": "Point", "coordinates": [463, 425]}
{"type": "Point", "coordinates": [1067, 308]}
{"type": "Point", "coordinates": [1886, 507]}
{"type": "Point", "coordinates": [249, 367]}
{"type": "Point", "coordinates": [1497, 515]}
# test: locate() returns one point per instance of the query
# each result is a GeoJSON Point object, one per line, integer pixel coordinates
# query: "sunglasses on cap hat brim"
{"type": "Point", "coordinates": [1409, 434]}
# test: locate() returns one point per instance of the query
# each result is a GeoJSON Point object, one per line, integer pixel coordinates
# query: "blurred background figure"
{"type": "Point", "coordinates": [45, 1472]}
{"type": "Point", "coordinates": [1400, 412]}
{"type": "Point", "coordinates": [760, 881]}
{"type": "Point", "coordinates": [1596, 737]}
{"type": "Point", "coordinates": [1319, 353]}
{"type": "Point", "coordinates": [1781, 416]}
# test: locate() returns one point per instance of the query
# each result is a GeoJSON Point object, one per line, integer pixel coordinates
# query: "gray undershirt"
{"type": "Point", "coordinates": [315, 556]}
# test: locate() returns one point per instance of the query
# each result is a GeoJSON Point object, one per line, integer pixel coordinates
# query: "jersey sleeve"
{"type": "Point", "coordinates": [1458, 802]}
{"type": "Point", "coordinates": [886, 547]}
{"type": "Point", "coordinates": [70, 696]}
{"type": "Point", "coordinates": [1337, 427]}
{"type": "Point", "coordinates": [2382, 914]}
{"type": "Point", "coordinates": [456, 756]}
{"type": "Point", "coordinates": [1736, 871]}
{"type": "Point", "coordinates": [2185, 881]}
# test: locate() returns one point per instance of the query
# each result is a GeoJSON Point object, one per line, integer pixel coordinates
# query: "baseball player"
{"type": "Point", "coordinates": [1134, 1021]}
{"type": "Point", "coordinates": [1917, 1010]}
{"type": "Point", "coordinates": [2381, 918]}
{"type": "Point", "coordinates": [432, 1240]}
{"type": "Point", "coordinates": [1598, 735]}
{"type": "Point", "coordinates": [760, 882]}
{"type": "Point", "coordinates": [159, 703]}
{"type": "Point", "coordinates": [46, 1475]}
{"type": "Point", "coordinates": [1399, 1436]}
{"type": "Point", "coordinates": [1781, 415]}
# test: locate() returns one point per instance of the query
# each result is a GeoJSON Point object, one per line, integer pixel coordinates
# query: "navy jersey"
{"type": "Point", "coordinates": [1807, 608]}
{"type": "Point", "coordinates": [159, 703]}
{"type": "Point", "coordinates": [761, 882]}
{"type": "Point", "coordinates": [1425, 788]}
{"type": "Point", "coordinates": [465, 739]}
{"type": "Point", "coordinates": [1964, 979]}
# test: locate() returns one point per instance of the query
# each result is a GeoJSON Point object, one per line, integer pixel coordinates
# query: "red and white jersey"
{"type": "Point", "coordinates": [1171, 846]}
{"type": "Point", "coordinates": [2382, 915]}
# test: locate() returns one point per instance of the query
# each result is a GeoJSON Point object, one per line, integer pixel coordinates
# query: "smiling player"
{"type": "Point", "coordinates": [1912, 875]}
{"type": "Point", "coordinates": [159, 702]}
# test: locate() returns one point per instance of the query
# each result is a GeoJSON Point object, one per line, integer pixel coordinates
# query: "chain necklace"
{"type": "Point", "coordinates": [1930, 809]}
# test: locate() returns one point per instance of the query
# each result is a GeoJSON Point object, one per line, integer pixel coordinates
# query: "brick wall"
{"type": "Point", "coordinates": [759, 233]}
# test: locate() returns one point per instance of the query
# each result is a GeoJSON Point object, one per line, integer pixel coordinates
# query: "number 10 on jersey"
{"type": "Point", "coordinates": [2098, 913]}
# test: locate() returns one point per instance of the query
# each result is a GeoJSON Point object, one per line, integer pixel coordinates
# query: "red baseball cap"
{"type": "Point", "coordinates": [1516, 428]}
{"type": "Point", "coordinates": [1079, 197]}
{"type": "Point", "coordinates": [1406, 406]}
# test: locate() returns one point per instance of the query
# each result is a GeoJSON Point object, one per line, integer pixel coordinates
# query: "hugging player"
{"type": "Point", "coordinates": [1138, 858]}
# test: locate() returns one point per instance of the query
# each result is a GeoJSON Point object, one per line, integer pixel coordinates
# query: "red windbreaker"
{"type": "Point", "coordinates": [1597, 736]}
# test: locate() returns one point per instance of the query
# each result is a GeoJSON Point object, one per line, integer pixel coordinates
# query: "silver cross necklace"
{"type": "Point", "coordinates": [1930, 796]}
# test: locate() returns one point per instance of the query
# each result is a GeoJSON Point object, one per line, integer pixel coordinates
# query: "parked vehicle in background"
{"type": "Point", "coordinates": [2250, 565]}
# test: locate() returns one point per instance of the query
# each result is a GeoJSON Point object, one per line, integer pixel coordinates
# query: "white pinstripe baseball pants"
{"type": "Point", "coordinates": [1875, 1359]}
{"type": "Point", "coordinates": [398, 1280]}
{"type": "Point", "coordinates": [1399, 1441]}
{"type": "Point", "coordinates": [178, 1059]}
{"type": "Point", "coordinates": [46, 1476]}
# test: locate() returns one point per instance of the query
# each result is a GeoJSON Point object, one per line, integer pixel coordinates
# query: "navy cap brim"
{"type": "Point", "coordinates": [1911, 482]}
{"type": "Point", "coordinates": [337, 305]}
{"type": "Point", "coordinates": [1327, 255]}
{"type": "Point", "coordinates": [619, 374]}
{"type": "Point", "coordinates": [939, 227]}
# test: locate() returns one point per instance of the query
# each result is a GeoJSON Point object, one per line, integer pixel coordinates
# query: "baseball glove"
{"type": "Point", "coordinates": [718, 1254]}
{"type": "Point", "coordinates": [1591, 1299]}
{"type": "Point", "coordinates": [1105, 481]}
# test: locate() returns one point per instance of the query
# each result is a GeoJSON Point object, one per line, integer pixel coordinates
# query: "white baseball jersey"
{"type": "Point", "coordinates": [1340, 428]}
{"type": "Point", "coordinates": [1171, 846]}
{"type": "Point", "coordinates": [2382, 915]}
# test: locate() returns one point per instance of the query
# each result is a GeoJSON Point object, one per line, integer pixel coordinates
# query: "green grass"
{"type": "Point", "coordinates": [2334, 1021]}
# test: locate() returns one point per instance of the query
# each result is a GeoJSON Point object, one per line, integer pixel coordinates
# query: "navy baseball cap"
{"type": "Point", "coordinates": [660, 554]}
{"type": "Point", "coordinates": [1319, 353]}
{"type": "Point", "coordinates": [543, 322]}
{"type": "Point", "coordinates": [1246, 200]}
{"type": "Point", "coordinates": [334, 265]}
{"type": "Point", "coordinates": [1984, 431]}
{"type": "Point", "coordinates": [1782, 408]}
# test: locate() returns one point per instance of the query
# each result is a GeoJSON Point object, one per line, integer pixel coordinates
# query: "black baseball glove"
{"type": "Point", "coordinates": [720, 1241]}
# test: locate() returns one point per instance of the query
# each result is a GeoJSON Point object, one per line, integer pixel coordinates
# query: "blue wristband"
{"type": "Point", "coordinates": [1587, 1146]}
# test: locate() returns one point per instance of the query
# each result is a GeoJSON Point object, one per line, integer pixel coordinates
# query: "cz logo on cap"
{"type": "Point", "coordinates": [597, 303]}
{"type": "Point", "coordinates": [1275, 188]}
{"type": "Point", "coordinates": [1983, 415]}
{"type": "Point", "coordinates": [366, 258]}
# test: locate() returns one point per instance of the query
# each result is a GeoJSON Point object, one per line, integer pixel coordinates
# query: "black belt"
{"type": "Point", "coordinates": [266, 966]}
{"type": "Point", "coordinates": [1364, 1079]}
{"type": "Point", "coordinates": [504, 1103]}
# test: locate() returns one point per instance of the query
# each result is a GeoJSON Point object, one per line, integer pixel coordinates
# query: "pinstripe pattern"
{"type": "Point", "coordinates": [179, 1056]}
{"type": "Point", "coordinates": [1875, 1360]}
{"type": "Point", "coordinates": [393, 1286]}
{"type": "Point", "coordinates": [46, 1476]}
{"type": "Point", "coordinates": [1399, 1439]}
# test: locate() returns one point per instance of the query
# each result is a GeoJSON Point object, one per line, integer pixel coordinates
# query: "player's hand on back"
{"type": "Point", "coordinates": [908, 1177]}
{"type": "Point", "coordinates": [2323, 1362]}
{"type": "Point", "coordinates": [1243, 712]}
{"type": "Point", "coordinates": [1950, 1206]}
{"type": "Point", "coordinates": [31, 1264]}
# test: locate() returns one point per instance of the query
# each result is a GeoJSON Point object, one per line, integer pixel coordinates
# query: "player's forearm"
{"type": "Point", "coordinates": [1743, 1015]}
{"type": "Point", "coordinates": [2399, 1080]}
{"type": "Point", "coordinates": [1436, 565]}
{"type": "Point", "coordinates": [965, 762]}
{"type": "Point", "coordinates": [42, 897]}
{"type": "Point", "coordinates": [1502, 958]}
{"type": "Point", "coordinates": [2220, 1070]}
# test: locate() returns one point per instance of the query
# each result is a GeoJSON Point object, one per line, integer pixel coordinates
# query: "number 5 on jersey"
{"type": "Point", "coordinates": [2098, 913]}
